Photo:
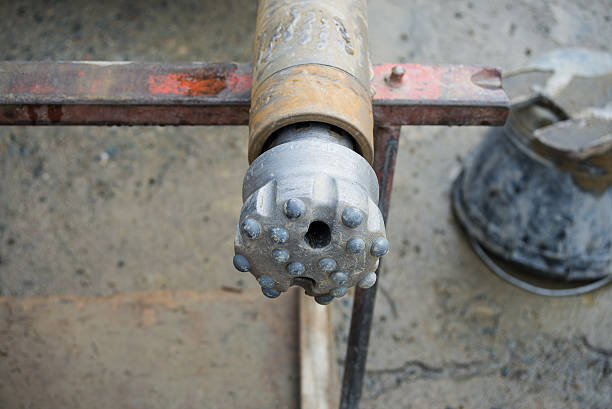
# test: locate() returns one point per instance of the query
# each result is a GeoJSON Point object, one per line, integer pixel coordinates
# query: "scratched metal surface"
{"type": "Point", "coordinates": [313, 32]}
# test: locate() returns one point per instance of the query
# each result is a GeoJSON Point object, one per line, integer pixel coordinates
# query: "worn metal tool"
{"type": "Point", "coordinates": [310, 215]}
{"type": "Point", "coordinates": [536, 197]}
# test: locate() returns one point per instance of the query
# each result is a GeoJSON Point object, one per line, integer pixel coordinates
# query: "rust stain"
{"type": "Point", "coordinates": [188, 84]}
{"type": "Point", "coordinates": [10, 112]}
{"type": "Point", "coordinates": [32, 114]}
{"type": "Point", "coordinates": [54, 113]}
{"type": "Point", "coordinates": [97, 86]}
{"type": "Point", "coordinates": [163, 94]}
{"type": "Point", "coordinates": [240, 82]}
{"type": "Point", "coordinates": [31, 86]}
{"type": "Point", "coordinates": [420, 82]}
{"type": "Point", "coordinates": [310, 92]}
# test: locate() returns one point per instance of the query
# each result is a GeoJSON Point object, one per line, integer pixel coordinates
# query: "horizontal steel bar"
{"type": "Point", "coordinates": [140, 93]}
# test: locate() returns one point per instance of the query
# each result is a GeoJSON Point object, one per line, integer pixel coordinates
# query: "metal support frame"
{"type": "Point", "coordinates": [136, 93]}
{"type": "Point", "coordinates": [386, 142]}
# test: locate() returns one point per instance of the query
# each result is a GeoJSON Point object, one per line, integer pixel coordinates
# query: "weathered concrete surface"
{"type": "Point", "coordinates": [157, 214]}
{"type": "Point", "coordinates": [170, 349]}
{"type": "Point", "coordinates": [96, 212]}
{"type": "Point", "coordinates": [448, 333]}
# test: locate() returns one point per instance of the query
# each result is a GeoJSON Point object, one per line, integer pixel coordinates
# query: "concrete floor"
{"type": "Point", "coordinates": [159, 214]}
{"type": "Point", "coordinates": [158, 349]}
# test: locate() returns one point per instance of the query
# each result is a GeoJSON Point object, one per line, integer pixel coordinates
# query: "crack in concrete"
{"type": "Point", "coordinates": [415, 370]}
{"type": "Point", "coordinates": [543, 362]}
{"type": "Point", "coordinates": [602, 351]}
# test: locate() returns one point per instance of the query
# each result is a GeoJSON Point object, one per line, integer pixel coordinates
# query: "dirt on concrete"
{"type": "Point", "coordinates": [96, 212]}
{"type": "Point", "coordinates": [166, 349]}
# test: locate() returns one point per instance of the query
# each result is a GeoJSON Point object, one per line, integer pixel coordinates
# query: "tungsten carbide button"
{"type": "Point", "coordinates": [251, 228]}
{"type": "Point", "coordinates": [295, 269]}
{"type": "Point", "coordinates": [294, 208]}
{"type": "Point", "coordinates": [352, 217]}
{"type": "Point", "coordinates": [280, 255]}
{"type": "Point", "coordinates": [265, 281]}
{"type": "Point", "coordinates": [339, 291]}
{"type": "Point", "coordinates": [324, 299]}
{"type": "Point", "coordinates": [368, 281]}
{"type": "Point", "coordinates": [339, 277]}
{"type": "Point", "coordinates": [279, 235]}
{"type": "Point", "coordinates": [355, 245]}
{"type": "Point", "coordinates": [327, 264]}
{"type": "Point", "coordinates": [241, 263]}
{"type": "Point", "coordinates": [270, 292]}
{"type": "Point", "coordinates": [380, 247]}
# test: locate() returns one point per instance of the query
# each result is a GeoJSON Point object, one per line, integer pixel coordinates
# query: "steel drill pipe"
{"type": "Point", "coordinates": [310, 215]}
{"type": "Point", "coordinates": [311, 65]}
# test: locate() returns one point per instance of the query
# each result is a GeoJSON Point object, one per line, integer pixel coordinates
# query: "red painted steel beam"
{"type": "Point", "coordinates": [139, 93]}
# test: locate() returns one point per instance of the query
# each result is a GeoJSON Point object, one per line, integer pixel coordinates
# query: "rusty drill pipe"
{"type": "Point", "coordinates": [310, 215]}
{"type": "Point", "coordinates": [311, 65]}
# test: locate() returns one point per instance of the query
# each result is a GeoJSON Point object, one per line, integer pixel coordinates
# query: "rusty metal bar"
{"type": "Point", "coordinates": [386, 139]}
{"type": "Point", "coordinates": [415, 94]}
{"type": "Point", "coordinates": [139, 93]}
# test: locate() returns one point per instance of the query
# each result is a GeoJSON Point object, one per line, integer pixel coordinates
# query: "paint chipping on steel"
{"type": "Point", "coordinates": [76, 93]}
{"type": "Point", "coordinates": [186, 84]}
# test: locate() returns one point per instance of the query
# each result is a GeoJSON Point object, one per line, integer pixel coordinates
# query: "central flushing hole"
{"type": "Point", "coordinates": [318, 235]}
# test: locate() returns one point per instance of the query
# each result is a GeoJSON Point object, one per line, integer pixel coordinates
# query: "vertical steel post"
{"type": "Point", "coordinates": [386, 140]}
